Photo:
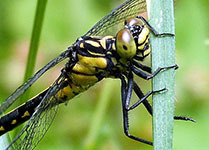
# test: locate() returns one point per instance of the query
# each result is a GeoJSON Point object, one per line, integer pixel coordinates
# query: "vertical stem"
{"type": "Point", "coordinates": [34, 43]}
{"type": "Point", "coordinates": [33, 50]}
{"type": "Point", "coordinates": [163, 54]}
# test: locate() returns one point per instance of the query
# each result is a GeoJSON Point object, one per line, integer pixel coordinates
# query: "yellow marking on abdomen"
{"type": "Point", "coordinates": [2, 128]}
{"type": "Point", "coordinates": [25, 114]}
{"type": "Point", "coordinates": [83, 80]}
{"type": "Point", "coordinates": [68, 91]}
{"type": "Point", "coordinates": [14, 121]}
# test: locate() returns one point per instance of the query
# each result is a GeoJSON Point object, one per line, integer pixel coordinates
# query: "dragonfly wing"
{"type": "Point", "coordinates": [127, 9]}
{"type": "Point", "coordinates": [118, 15]}
{"type": "Point", "coordinates": [40, 121]}
{"type": "Point", "coordinates": [42, 118]}
{"type": "Point", "coordinates": [19, 91]}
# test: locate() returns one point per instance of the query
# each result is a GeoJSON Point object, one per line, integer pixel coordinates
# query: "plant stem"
{"type": "Point", "coordinates": [163, 55]}
{"type": "Point", "coordinates": [34, 44]}
{"type": "Point", "coordinates": [33, 50]}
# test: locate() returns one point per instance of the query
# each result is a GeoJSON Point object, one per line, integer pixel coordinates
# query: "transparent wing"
{"type": "Point", "coordinates": [127, 9]}
{"type": "Point", "coordinates": [117, 16]}
{"type": "Point", "coordinates": [40, 121]}
{"type": "Point", "coordinates": [19, 91]}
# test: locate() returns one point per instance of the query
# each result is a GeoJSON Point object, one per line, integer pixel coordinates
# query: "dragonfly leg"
{"type": "Point", "coordinates": [129, 90]}
{"type": "Point", "coordinates": [146, 76]}
{"type": "Point", "coordinates": [143, 67]}
{"type": "Point", "coordinates": [125, 100]}
{"type": "Point", "coordinates": [147, 105]}
{"type": "Point", "coordinates": [141, 100]}
{"type": "Point", "coordinates": [184, 118]}
{"type": "Point", "coordinates": [153, 30]}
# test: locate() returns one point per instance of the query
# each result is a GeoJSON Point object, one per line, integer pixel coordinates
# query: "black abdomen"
{"type": "Point", "coordinates": [20, 114]}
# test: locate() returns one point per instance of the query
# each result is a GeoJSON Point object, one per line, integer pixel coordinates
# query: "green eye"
{"type": "Point", "coordinates": [125, 44]}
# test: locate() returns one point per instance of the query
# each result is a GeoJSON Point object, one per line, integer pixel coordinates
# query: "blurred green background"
{"type": "Point", "coordinates": [67, 20]}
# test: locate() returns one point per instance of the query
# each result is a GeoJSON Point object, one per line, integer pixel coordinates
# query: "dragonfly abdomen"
{"type": "Point", "coordinates": [20, 114]}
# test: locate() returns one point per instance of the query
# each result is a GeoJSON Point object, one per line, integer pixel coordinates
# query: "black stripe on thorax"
{"type": "Point", "coordinates": [85, 52]}
{"type": "Point", "coordinates": [94, 49]}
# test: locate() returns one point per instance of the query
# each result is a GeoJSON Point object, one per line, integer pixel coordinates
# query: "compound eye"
{"type": "Point", "coordinates": [125, 44]}
{"type": "Point", "coordinates": [132, 21]}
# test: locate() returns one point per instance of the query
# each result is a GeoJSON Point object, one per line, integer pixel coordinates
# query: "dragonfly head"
{"type": "Point", "coordinates": [133, 40]}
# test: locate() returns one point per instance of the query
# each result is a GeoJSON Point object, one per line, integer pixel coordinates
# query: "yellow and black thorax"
{"type": "Point", "coordinates": [100, 57]}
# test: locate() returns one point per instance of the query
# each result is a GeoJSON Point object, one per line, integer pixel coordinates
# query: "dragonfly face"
{"type": "Point", "coordinates": [133, 40]}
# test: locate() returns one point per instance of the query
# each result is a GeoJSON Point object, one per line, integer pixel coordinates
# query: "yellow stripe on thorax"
{"type": "Point", "coordinates": [93, 43]}
{"type": "Point", "coordinates": [80, 68]}
{"type": "Point", "coordinates": [92, 62]}
{"type": "Point", "coordinates": [96, 54]}
{"type": "Point", "coordinates": [104, 40]}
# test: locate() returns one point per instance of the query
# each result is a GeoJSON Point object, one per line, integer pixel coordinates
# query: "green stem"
{"type": "Point", "coordinates": [34, 44]}
{"type": "Point", "coordinates": [163, 54]}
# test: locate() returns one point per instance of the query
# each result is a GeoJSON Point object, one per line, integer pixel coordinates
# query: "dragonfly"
{"type": "Point", "coordinates": [93, 57]}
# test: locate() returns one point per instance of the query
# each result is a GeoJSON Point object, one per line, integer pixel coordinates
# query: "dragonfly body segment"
{"type": "Point", "coordinates": [20, 114]}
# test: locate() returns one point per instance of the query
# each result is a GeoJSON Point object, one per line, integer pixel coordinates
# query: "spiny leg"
{"type": "Point", "coordinates": [125, 100]}
{"type": "Point", "coordinates": [146, 76]}
{"type": "Point", "coordinates": [152, 29]}
{"type": "Point", "coordinates": [147, 105]}
{"type": "Point", "coordinates": [141, 100]}
{"type": "Point", "coordinates": [184, 118]}
{"type": "Point", "coordinates": [140, 95]}
{"type": "Point", "coordinates": [129, 92]}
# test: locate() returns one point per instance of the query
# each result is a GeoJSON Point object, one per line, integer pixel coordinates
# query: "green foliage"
{"type": "Point", "coordinates": [34, 43]}
{"type": "Point", "coordinates": [67, 20]}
